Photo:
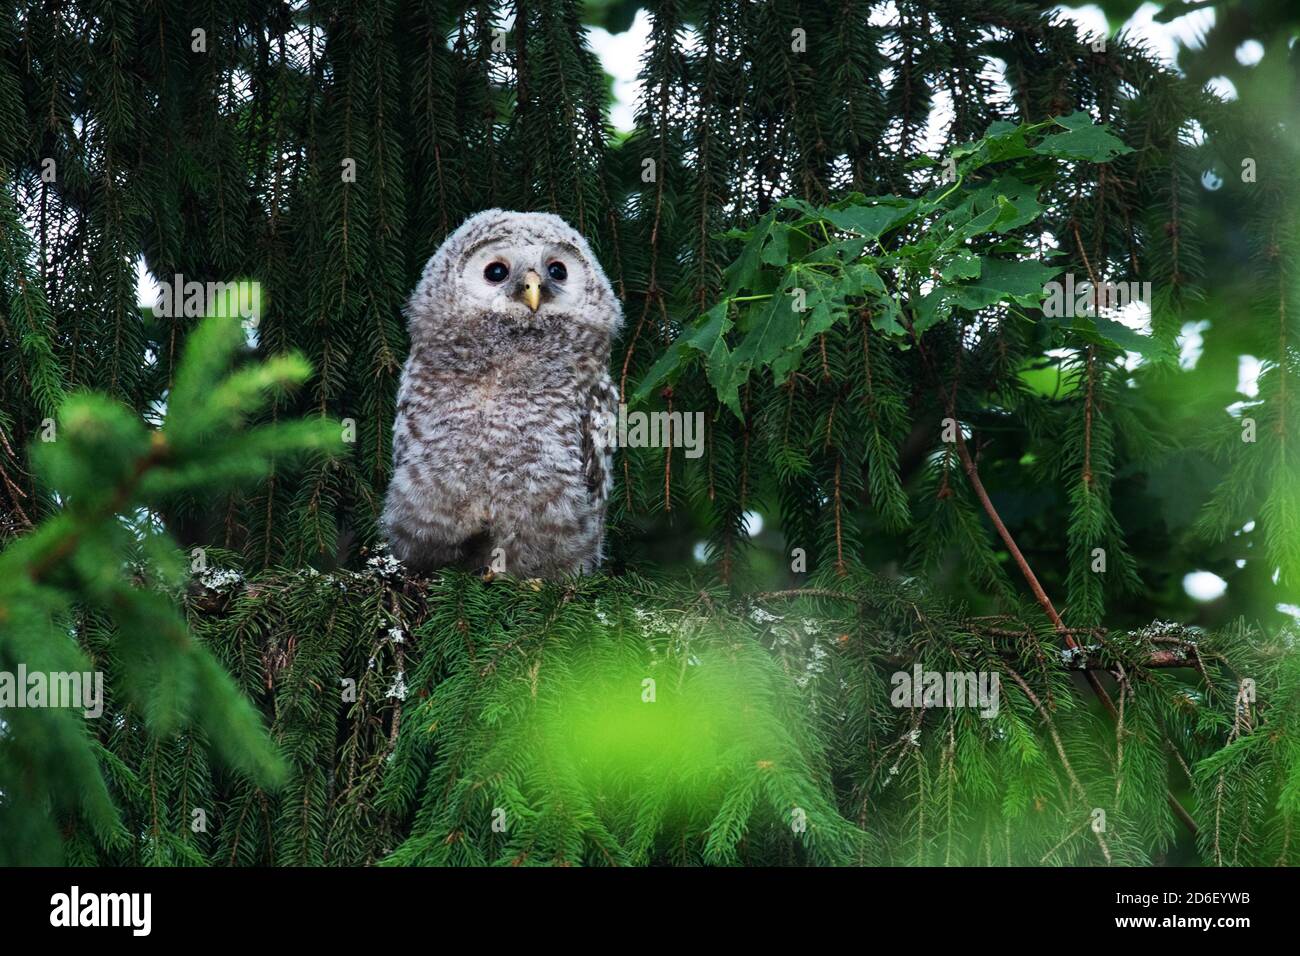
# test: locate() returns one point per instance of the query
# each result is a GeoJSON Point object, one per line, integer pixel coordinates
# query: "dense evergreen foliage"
{"type": "Point", "coordinates": [950, 474]}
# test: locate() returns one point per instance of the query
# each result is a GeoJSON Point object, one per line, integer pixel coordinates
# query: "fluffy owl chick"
{"type": "Point", "coordinates": [502, 447]}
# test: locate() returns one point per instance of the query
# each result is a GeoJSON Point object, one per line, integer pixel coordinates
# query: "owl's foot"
{"type": "Point", "coordinates": [534, 583]}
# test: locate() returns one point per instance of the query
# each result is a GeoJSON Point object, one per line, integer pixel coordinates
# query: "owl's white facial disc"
{"type": "Point", "coordinates": [500, 275]}
{"type": "Point", "coordinates": [502, 271]}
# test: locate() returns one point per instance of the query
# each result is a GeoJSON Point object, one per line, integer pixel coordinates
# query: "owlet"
{"type": "Point", "coordinates": [503, 443]}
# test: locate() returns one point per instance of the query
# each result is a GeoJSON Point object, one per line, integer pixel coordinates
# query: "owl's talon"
{"type": "Point", "coordinates": [534, 583]}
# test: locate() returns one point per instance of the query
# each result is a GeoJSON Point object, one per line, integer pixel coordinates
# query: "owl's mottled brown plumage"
{"type": "Point", "coordinates": [503, 436]}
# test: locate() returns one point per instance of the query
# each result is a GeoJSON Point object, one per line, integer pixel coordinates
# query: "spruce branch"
{"type": "Point", "coordinates": [972, 472]}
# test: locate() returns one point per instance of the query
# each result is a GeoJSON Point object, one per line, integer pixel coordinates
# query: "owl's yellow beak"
{"type": "Point", "coordinates": [532, 289]}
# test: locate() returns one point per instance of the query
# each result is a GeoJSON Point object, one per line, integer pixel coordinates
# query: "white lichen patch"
{"type": "Point", "coordinates": [219, 579]}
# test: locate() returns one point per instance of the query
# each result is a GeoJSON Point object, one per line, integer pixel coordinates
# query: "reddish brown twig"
{"type": "Point", "coordinates": [1041, 596]}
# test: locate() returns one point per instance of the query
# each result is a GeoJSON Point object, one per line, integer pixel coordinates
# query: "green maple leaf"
{"type": "Point", "coordinates": [1083, 140]}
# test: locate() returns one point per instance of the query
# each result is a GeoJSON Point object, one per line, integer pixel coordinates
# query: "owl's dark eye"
{"type": "Point", "coordinates": [496, 272]}
{"type": "Point", "coordinates": [557, 271]}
